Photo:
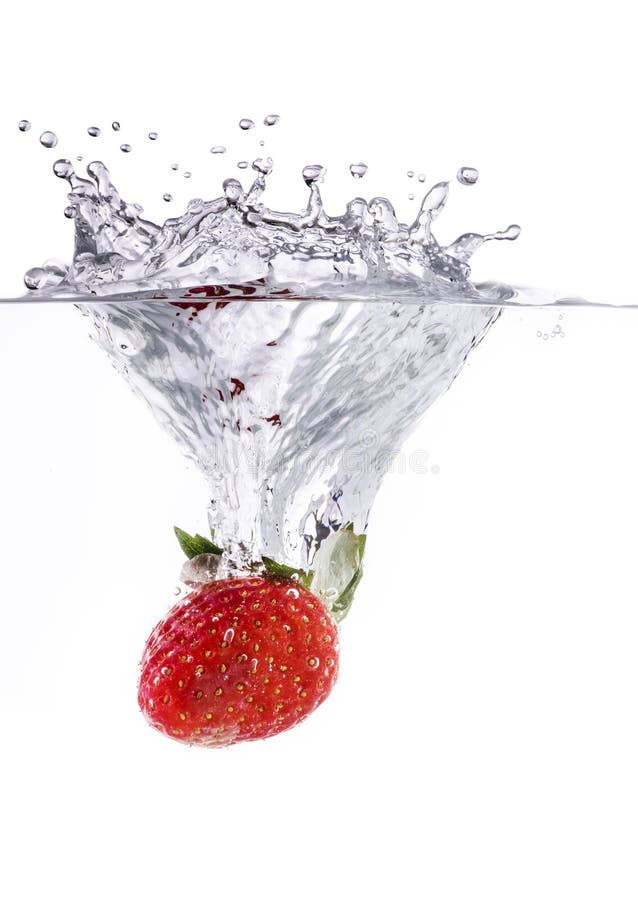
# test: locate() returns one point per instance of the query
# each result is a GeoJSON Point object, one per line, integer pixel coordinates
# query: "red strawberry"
{"type": "Point", "coordinates": [238, 660]}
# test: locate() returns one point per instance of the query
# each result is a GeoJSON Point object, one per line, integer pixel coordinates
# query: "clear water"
{"type": "Point", "coordinates": [288, 354]}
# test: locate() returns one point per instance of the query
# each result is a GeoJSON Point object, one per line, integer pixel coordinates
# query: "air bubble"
{"type": "Point", "coordinates": [410, 196]}
{"type": "Point", "coordinates": [48, 139]}
{"type": "Point", "coordinates": [410, 174]}
{"type": "Point", "coordinates": [229, 635]}
{"type": "Point", "coordinates": [175, 167]}
{"type": "Point", "coordinates": [246, 124]}
{"type": "Point", "coordinates": [94, 131]}
{"type": "Point", "coordinates": [293, 592]}
{"type": "Point", "coordinates": [421, 177]}
{"type": "Point", "coordinates": [115, 126]}
{"type": "Point", "coordinates": [187, 174]}
{"type": "Point", "coordinates": [24, 125]}
{"type": "Point", "coordinates": [467, 175]}
{"type": "Point", "coordinates": [152, 135]}
{"type": "Point", "coordinates": [218, 148]}
{"type": "Point", "coordinates": [243, 164]}
{"type": "Point", "coordinates": [70, 212]}
{"type": "Point", "coordinates": [271, 120]}
{"type": "Point", "coordinates": [167, 197]}
{"type": "Point", "coordinates": [125, 148]}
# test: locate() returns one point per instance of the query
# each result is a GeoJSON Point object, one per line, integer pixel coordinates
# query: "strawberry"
{"type": "Point", "coordinates": [238, 659]}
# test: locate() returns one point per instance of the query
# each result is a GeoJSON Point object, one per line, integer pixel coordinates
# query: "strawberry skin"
{"type": "Point", "coordinates": [238, 660]}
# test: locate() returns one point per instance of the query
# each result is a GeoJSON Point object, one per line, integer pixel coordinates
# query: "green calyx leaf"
{"type": "Point", "coordinates": [288, 573]}
{"type": "Point", "coordinates": [341, 606]}
{"type": "Point", "coordinates": [338, 569]}
{"type": "Point", "coordinates": [196, 544]}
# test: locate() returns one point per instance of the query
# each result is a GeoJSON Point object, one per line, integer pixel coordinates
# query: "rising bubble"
{"type": "Point", "coordinates": [175, 167]}
{"type": "Point", "coordinates": [125, 148]}
{"type": "Point", "coordinates": [48, 139]}
{"type": "Point", "coordinates": [70, 212]}
{"type": "Point", "coordinates": [24, 125]}
{"type": "Point", "coordinates": [410, 174]}
{"type": "Point", "coordinates": [152, 135]}
{"type": "Point", "coordinates": [187, 174]}
{"type": "Point", "coordinates": [167, 197]}
{"type": "Point", "coordinates": [271, 120]}
{"type": "Point", "coordinates": [243, 164]}
{"type": "Point", "coordinates": [421, 177]}
{"type": "Point", "coordinates": [467, 175]}
{"type": "Point", "coordinates": [246, 124]}
{"type": "Point", "coordinates": [218, 149]}
{"type": "Point", "coordinates": [94, 131]}
{"type": "Point", "coordinates": [115, 126]}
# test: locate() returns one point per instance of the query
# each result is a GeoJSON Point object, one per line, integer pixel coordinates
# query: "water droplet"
{"type": "Point", "coordinates": [48, 139]}
{"type": "Point", "coordinates": [263, 165]}
{"type": "Point", "coordinates": [167, 197]}
{"type": "Point", "coordinates": [271, 120]}
{"type": "Point", "coordinates": [175, 167]}
{"type": "Point", "coordinates": [63, 168]}
{"type": "Point", "coordinates": [243, 164]}
{"type": "Point", "coordinates": [410, 174]}
{"type": "Point", "coordinates": [312, 174]}
{"type": "Point", "coordinates": [187, 174]}
{"type": "Point", "coordinates": [358, 170]}
{"type": "Point", "coordinates": [152, 135]}
{"type": "Point", "coordinates": [229, 635]}
{"type": "Point", "coordinates": [218, 148]}
{"type": "Point", "coordinates": [125, 148]}
{"type": "Point", "coordinates": [24, 125]}
{"type": "Point", "coordinates": [467, 175]}
{"type": "Point", "coordinates": [70, 212]}
{"type": "Point", "coordinates": [233, 191]}
{"type": "Point", "coordinates": [421, 177]}
{"type": "Point", "coordinates": [246, 124]}
{"type": "Point", "coordinates": [115, 126]}
{"type": "Point", "coordinates": [94, 131]}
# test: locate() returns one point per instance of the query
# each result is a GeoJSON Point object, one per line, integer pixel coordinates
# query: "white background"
{"type": "Point", "coordinates": [482, 740]}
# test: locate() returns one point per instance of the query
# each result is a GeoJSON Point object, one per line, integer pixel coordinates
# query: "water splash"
{"type": "Point", "coordinates": [236, 238]}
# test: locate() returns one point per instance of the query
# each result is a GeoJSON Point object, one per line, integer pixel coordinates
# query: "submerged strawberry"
{"type": "Point", "coordinates": [237, 660]}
